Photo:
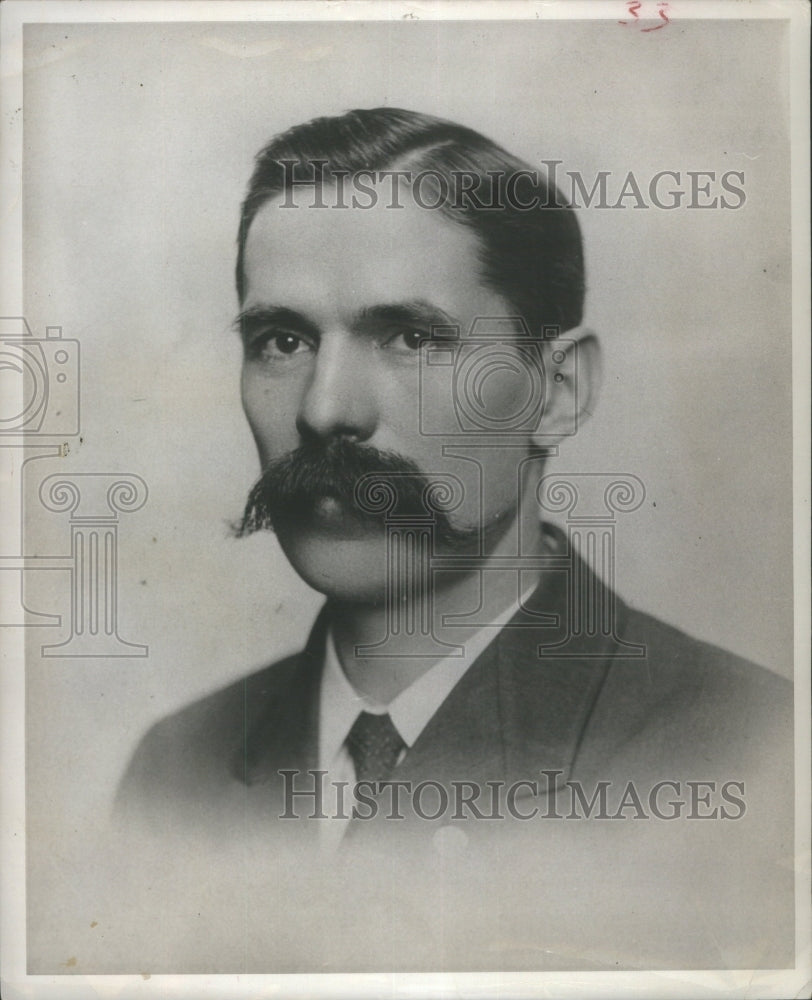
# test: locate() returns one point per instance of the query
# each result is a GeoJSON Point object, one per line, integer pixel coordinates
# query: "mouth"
{"type": "Point", "coordinates": [330, 507]}
{"type": "Point", "coordinates": [329, 513]}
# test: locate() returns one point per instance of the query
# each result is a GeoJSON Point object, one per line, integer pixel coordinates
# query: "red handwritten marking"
{"type": "Point", "coordinates": [635, 5]}
{"type": "Point", "coordinates": [662, 13]}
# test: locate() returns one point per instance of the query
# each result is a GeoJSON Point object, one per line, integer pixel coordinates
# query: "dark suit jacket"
{"type": "Point", "coordinates": [683, 712]}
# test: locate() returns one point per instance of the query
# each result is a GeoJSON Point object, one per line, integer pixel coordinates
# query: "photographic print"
{"type": "Point", "coordinates": [405, 499]}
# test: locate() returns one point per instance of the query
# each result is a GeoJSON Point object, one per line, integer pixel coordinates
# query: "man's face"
{"type": "Point", "coordinates": [336, 303]}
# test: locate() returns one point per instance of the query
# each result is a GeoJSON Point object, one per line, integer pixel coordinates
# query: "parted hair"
{"type": "Point", "coordinates": [532, 257]}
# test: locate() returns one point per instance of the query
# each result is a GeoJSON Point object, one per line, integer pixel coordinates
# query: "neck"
{"type": "Point", "coordinates": [400, 647]}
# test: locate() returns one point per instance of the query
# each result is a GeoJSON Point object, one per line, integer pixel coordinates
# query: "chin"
{"type": "Point", "coordinates": [343, 568]}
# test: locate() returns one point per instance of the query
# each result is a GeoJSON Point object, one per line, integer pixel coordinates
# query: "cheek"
{"type": "Point", "coordinates": [398, 404]}
{"type": "Point", "coordinates": [502, 391]}
{"type": "Point", "coordinates": [271, 408]}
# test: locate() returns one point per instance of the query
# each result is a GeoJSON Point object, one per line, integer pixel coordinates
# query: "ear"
{"type": "Point", "coordinates": [574, 373]}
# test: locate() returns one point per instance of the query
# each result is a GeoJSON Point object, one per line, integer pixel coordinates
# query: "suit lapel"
{"type": "Point", "coordinates": [462, 740]}
{"type": "Point", "coordinates": [514, 713]}
{"type": "Point", "coordinates": [284, 732]}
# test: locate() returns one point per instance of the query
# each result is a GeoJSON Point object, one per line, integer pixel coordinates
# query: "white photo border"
{"type": "Point", "coordinates": [666, 984]}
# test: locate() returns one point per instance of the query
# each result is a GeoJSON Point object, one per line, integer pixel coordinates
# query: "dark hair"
{"type": "Point", "coordinates": [531, 257]}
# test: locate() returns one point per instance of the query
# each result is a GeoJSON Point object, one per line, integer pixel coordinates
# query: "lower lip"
{"type": "Point", "coordinates": [331, 515]}
{"type": "Point", "coordinates": [329, 508]}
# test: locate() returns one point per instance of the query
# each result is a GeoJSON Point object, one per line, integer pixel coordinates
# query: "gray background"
{"type": "Point", "coordinates": [139, 141]}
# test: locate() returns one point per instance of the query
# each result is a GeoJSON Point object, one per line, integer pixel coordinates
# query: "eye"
{"type": "Point", "coordinates": [407, 339]}
{"type": "Point", "coordinates": [278, 346]}
{"type": "Point", "coordinates": [285, 343]}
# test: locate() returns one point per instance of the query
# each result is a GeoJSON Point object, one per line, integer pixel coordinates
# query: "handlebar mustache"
{"type": "Point", "coordinates": [291, 485]}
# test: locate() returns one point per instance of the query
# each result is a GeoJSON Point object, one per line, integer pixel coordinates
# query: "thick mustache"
{"type": "Point", "coordinates": [290, 485]}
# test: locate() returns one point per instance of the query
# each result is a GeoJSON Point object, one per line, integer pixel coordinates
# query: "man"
{"type": "Point", "coordinates": [410, 308]}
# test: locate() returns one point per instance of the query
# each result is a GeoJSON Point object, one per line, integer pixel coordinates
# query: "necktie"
{"type": "Point", "coordinates": [374, 746]}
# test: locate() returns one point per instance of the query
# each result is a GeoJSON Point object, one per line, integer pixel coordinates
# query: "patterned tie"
{"type": "Point", "coordinates": [374, 745]}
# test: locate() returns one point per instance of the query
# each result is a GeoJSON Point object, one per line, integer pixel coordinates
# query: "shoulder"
{"type": "Point", "coordinates": [686, 699]}
{"type": "Point", "coordinates": [192, 748]}
{"type": "Point", "coordinates": [678, 666]}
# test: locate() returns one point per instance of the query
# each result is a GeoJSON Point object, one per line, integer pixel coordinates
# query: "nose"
{"type": "Point", "coordinates": [339, 400]}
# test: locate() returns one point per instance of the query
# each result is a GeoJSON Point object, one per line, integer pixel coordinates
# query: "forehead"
{"type": "Point", "coordinates": [341, 259]}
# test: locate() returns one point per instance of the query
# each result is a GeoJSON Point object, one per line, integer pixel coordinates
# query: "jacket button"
{"type": "Point", "coordinates": [449, 841]}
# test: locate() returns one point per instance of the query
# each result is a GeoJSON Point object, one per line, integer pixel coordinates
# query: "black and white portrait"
{"type": "Point", "coordinates": [405, 567]}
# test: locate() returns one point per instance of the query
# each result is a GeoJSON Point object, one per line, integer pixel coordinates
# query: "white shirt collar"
{"type": "Point", "coordinates": [410, 711]}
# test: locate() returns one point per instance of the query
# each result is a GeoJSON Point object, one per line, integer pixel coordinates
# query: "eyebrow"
{"type": "Point", "coordinates": [418, 312]}
{"type": "Point", "coordinates": [257, 317]}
